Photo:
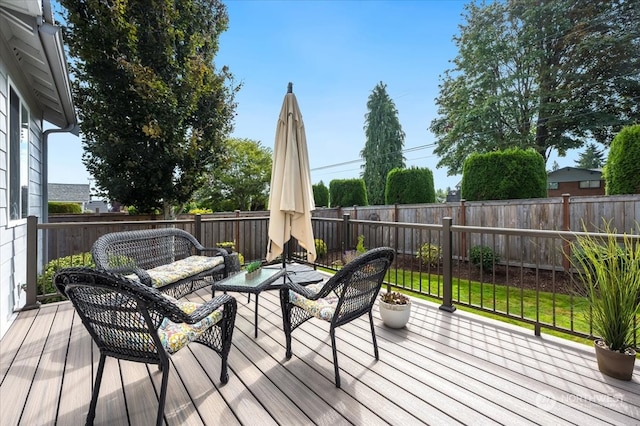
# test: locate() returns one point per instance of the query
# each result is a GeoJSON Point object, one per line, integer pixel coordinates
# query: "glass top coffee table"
{"type": "Point", "coordinates": [240, 282]}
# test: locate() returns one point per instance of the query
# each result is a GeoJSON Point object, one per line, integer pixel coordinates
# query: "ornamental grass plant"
{"type": "Point", "coordinates": [609, 270]}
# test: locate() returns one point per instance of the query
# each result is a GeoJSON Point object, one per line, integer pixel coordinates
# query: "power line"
{"type": "Point", "coordinates": [360, 160]}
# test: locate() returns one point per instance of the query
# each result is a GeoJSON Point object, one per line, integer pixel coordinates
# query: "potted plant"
{"type": "Point", "coordinates": [395, 309]}
{"type": "Point", "coordinates": [610, 275]}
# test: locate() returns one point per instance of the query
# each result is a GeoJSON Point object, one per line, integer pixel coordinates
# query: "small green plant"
{"type": "Point", "coordinates": [360, 248]}
{"type": "Point", "coordinates": [429, 254]}
{"type": "Point", "coordinates": [321, 247]}
{"type": "Point", "coordinates": [484, 257]}
{"type": "Point", "coordinates": [45, 280]}
{"type": "Point", "coordinates": [253, 266]}
{"type": "Point", "coordinates": [394, 298]}
{"type": "Point", "coordinates": [610, 275]}
{"type": "Point", "coordinates": [230, 245]}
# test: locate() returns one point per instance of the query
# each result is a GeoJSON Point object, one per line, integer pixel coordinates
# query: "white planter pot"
{"type": "Point", "coordinates": [394, 316]}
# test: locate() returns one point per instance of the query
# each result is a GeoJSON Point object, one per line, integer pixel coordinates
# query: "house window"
{"type": "Point", "coordinates": [18, 157]}
{"type": "Point", "coordinates": [552, 185]}
{"type": "Point", "coordinates": [589, 184]}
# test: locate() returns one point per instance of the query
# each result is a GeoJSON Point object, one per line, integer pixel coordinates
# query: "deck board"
{"type": "Point", "coordinates": [442, 369]}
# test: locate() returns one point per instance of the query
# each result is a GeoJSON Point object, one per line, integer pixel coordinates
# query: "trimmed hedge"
{"type": "Point", "coordinates": [347, 193]}
{"type": "Point", "coordinates": [504, 175]}
{"type": "Point", "coordinates": [64, 207]}
{"type": "Point", "coordinates": [622, 170]}
{"type": "Point", "coordinates": [320, 195]}
{"type": "Point", "coordinates": [410, 186]}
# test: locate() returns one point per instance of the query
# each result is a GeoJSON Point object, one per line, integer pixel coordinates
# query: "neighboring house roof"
{"type": "Point", "coordinates": [69, 192]}
{"type": "Point", "coordinates": [574, 174]}
{"type": "Point", "coordinates": [28, 28]}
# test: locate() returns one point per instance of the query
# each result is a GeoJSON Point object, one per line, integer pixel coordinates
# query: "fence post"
{"type": "Point", "coordinates": [32, 264]}
{"type": "Point", "coordinates": [463, 222]}
{"type": "Point", "coordinates": [566, 226]}
{"type": "Point", "coordinates": [447, 259]}
{"type": "Point", "coordinates": [346, 242]}
{"type": "Point", "coordinates": [236, 232]}
{"type": "Point", "coordinates": [197, 224]}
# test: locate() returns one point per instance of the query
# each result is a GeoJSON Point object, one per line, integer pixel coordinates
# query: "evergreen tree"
{"type": "Point", "coordinates": [320, 194]}
{"type": "Point", "coordinates": [591, 158]}
{"type": "Point", "coordinates": [384, 142]}
{"type": "Point", "coordinates": [538, 74]}
{"type": "Point", "coordinates": [153, 107]}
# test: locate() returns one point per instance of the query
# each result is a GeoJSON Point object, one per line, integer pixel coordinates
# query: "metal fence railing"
{"type": "Point", "coordinates": [527, 275]}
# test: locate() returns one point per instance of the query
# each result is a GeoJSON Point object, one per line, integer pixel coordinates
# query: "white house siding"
{"type": "Point", "coordinates": [6, 234]}
{"type": "Point", "coordinates": [13, 247]}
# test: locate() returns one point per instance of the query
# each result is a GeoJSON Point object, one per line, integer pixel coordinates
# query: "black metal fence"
{"type": "Point", "coordinates": [526, 276]}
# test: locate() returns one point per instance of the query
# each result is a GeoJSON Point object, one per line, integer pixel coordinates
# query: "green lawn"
{"type": "Point", "coordinates": [512, 305]}
{"type": "Point", "coordinates": [520, 305]}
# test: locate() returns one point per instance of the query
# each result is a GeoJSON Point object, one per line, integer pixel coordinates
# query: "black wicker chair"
{"type": "Point", "coordinates": [350, 293]}
{"type": "Point", "coordinates": [131, 321]}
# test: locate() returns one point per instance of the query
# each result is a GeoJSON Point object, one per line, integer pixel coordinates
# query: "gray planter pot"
{"type": "Point", "coordinates": [614, 364]}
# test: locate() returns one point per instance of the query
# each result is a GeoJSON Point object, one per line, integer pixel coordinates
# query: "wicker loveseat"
{"type": "Point", "coordinates": [169, 259]}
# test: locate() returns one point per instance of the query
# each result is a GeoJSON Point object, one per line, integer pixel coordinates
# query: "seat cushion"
{"type": "Point", "coordinates": [323, 308]}
{"type": "Point", "coordinates": [175, 336]}
{"type": "Point", "coordinates": [181, 269]}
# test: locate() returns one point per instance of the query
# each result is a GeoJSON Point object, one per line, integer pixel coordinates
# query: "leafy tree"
{"type": "Point", "coordinates": [591, 158]}
{"type": "Point", "coordinates": [154, 108]}
{"type": "Point", "coordinates": [532, 74]}
{"type": "Point", "coordinates": [241, 181]}
{"type": "Point", "coordinates": [383, 148]}
{"type": "Point", "coordinates": [320, 195]}
{"type": "Point", "coordinates": [622, 171]}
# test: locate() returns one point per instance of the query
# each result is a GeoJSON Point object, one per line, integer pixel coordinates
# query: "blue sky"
{"type": "Point", "coordinates": [334, 53]}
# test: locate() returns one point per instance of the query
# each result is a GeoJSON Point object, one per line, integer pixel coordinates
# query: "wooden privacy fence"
{"type": "Point", "coordinates": [564, 213]}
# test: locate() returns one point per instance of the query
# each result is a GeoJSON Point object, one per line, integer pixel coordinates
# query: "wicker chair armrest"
{"type": "Point", "coordinates": [302, 290]}
{"type": "Point", "coordinates": [206, 308]}
{"type": "Point", "coordinates": [143, 276]}
{"type": "Point", "coordinates": [216, 250]}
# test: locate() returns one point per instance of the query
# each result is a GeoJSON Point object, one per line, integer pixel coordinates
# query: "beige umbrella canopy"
{"type": "Point", "coordinates": [291, 196]}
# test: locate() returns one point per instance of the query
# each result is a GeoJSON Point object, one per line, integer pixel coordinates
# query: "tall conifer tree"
{"type": "Point", "coordinates": [384, 142]}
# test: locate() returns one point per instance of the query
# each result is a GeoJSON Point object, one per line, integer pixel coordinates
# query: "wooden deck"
{"type": "Point", "coordinates": [442, 369]}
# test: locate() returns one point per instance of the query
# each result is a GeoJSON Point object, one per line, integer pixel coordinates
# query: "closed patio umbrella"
{"type": "Point", "coordinates": [291, 196]}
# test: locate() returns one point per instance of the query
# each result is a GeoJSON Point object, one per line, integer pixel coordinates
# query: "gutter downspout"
{"type": "Point", "coordinates": [72, 128]}
{"type": "Point", "coordinates": [32, 231]}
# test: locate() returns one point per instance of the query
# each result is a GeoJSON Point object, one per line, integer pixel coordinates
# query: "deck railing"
{"type": "Point", "coordinates": [528, 277]}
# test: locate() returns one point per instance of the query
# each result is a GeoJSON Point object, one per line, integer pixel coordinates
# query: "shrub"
{"type": "Point", "coordinates": [231, 246]}
{"type": "Point", "coordinates": [320, 195]}
{"type": "Point", "coordinates": [504, 175]}
{"type": "Point", "coordinates": [61, 207]}
{"type": "Point", "coordinates": [45, 280]}
{"type": "Point", "coordinates": [347, 193]}
{"type": "Point", "coordinates": [410, 186]}
{"type": "Point", "coordinates": [360, 248]}
{"type": "Point", "coordinates": [622, 170]}
{"type": "Point", "coordinates": [321, 247]}
{"type": "Point", "coordinates": [199, 210]}
{"type": "Point", "coordinates": [429, 254]}
{"type": "Point", "coordinates": [484, 257]}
